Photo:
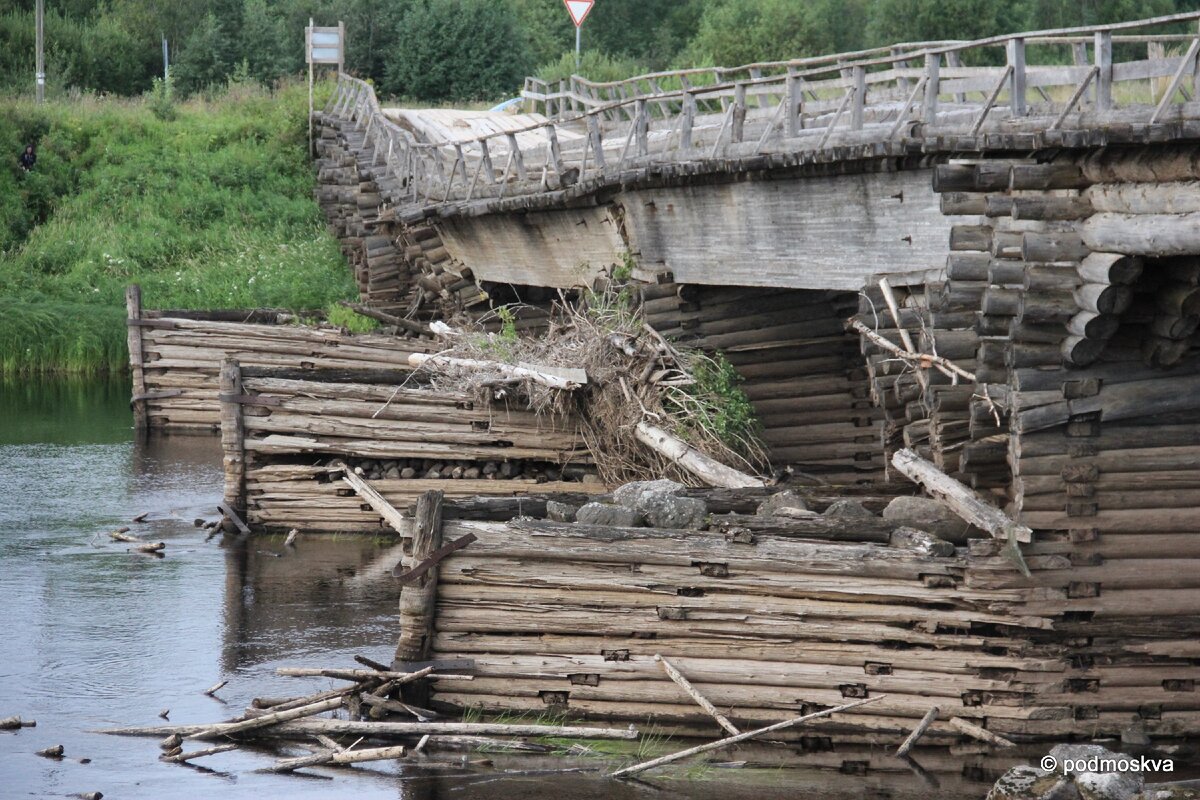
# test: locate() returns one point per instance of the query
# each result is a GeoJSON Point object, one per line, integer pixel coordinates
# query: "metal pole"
{"type": "Point", "coordinates": [40, 76]}
{"type": "Point", "coordinates": [308, 57]}
{"type": "Point", "coordinates": [166, 62]}
{"type": "Point", "coordinates": [577, 29]}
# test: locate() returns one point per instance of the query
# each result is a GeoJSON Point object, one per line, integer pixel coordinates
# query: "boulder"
{"type": "Point", "coordinates": [609, 515]}
{"type": "Point", "coordinates": [1071, 778]}
{"type": "Point", "coordinates": [929, 515]}
{"type": "Point", "coordinates": [662, 505]}
{"type": "Point", "coordinates": [785, 499]}
{"type": "Point", "coordinates": [1029, 783]}
{"type": "Point", "coordinates": [561, 512]}
{"type": "Point", "coordinates": [847, 507]}
{"type": "Point", "coordinates": [920, 541]}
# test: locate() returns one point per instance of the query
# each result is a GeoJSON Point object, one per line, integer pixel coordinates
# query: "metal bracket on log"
{"type": "Point", "coordinates": [432, 560]}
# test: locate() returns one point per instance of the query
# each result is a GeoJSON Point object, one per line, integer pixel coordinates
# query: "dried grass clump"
{"type": "Point", "coordinates": [633, 375]}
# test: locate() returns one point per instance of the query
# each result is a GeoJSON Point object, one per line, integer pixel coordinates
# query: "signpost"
{"type": "Point", "coordinates": [322, 46]}
{"type": "Point", "coordinates": [578, 9]}
{"type": "Point", "coordinates": [40, 66]}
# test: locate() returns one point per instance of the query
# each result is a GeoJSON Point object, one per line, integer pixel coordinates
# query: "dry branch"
{"type": "Point", "coordinates": [694, 693]}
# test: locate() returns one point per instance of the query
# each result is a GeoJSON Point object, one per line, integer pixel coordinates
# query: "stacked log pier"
{"type": "Point", "coordinates": [175, 356]}
{"type": "Point", "coordinates": [800, 368]}
{"type": "Point", "coordinates": [767, 617]}
{"type": "Point", "coordinates": [402, 266]}
{"type": "Point", "coordinates": [299, 432]}
{"type": "Point", "coordinates": [1085, 270]}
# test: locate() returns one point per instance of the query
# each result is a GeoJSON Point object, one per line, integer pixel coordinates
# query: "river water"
{"type": "Point", "coordinates": [98, 636]}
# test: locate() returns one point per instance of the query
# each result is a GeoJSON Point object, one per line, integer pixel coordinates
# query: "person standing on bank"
{"type": "Point", "coordinates": [28, 158]}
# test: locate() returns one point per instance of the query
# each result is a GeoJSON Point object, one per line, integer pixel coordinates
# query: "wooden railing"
{"type": "Point", "coordinates": [603, 131]}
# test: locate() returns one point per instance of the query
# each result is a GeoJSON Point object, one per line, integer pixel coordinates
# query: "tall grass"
{"type": "Point", "coordinates": [213, 209]}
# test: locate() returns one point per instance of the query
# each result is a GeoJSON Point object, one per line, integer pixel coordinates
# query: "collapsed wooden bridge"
{"type": "Point", "coordinates": [995, 268]}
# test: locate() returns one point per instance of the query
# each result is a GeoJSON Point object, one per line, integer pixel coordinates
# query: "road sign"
{"type": "Point", "coordinates": [578, 10]}
{"type": "Point", "coordinates": [325, 45]}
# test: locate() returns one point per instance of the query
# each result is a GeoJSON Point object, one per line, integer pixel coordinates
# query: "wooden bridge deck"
{"type": "Point", "coordinates": [1044, 89]}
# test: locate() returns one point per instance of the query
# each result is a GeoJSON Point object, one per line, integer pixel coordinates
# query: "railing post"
{"type": "Point", "coordinates": [689, 118]}
{"type": "Point", "coordinates": [860, 96]}
{"type": "Point", "coordinates": [555, 152]}
{"type": "Point", "coordinates": [1079, 54]}
{"type": "Point", "coordinates": [485, 158]}
{"type": "Point", "coordinates": [933, 63]}
{"type": "Point", "coordinates": [794, 100]}
{"type": "Point", "coordinates": [755, 74]}
{"type": "Point", "coordinates": [739, 112]}
{"type": "Point", "coordinates": [954, 60]}
{"type": "Point", "coordinates": [1016, 60]}
{"type": "Point", "coordinates": [642, 133]}
{"type": "Point", "coordinates": [514, 150]}
{"type": "Point", "coordinates": [597, 140]}
{"type": "Point", "coordinates": [1103, 55]}
{"type": "Point", "coordinates": [901, 81]}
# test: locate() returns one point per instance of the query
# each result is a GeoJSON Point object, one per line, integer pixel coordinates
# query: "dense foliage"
{"type": "Point", "coordinates": [479, 49]}
{"type": "Point", "coordinates": [212, 208]}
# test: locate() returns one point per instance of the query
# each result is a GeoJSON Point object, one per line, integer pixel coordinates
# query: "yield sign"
{"type": "Point", "coordinates": [578, 10]}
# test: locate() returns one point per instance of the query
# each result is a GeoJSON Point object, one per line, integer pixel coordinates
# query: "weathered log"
{"type": "Point", "coordinates": [209, 751]}
{"type": "Point", "coordinates": [709, 470]}
{"type": "Point", "coordinates": [339, 757]}
{"type": "Point", "coordinates": [971, 237]}
{"type": "Point", "coordinates": [741, 737]}
{"type": "Point", "coordinates": [358, 674]}
{"type": "Point", "coordinates": [418, 598]}
{"type": "Point", "coordinates": [979, 733]}
{"type": "Point", "coordinates": [511, 371]}
{"type": "Point", "coordinates": [1052, 246]}
{"type": "Point", "coordinates": [693, 693]}
{"type": "Point", "coordinates": [834, 529]}
{"type": "Point", "coordinates": [1080, 351]}
{"type": "Point", "coordinates": [372, 497]}
{"type": "Point", "coordinates": [1059, 175]}
{"type": "Point", "coordinates": [1116, 402]}
{"type": "Point", "coordinates": [387, 319]}
{"type": "Point", "coordinates": [961, 499]}
{"type": "Point", "coordinates": [1103, 298]}
{"type": "Point", "coordinates": [1051, 208]}
{"type": "Point", "coordinates": [1092, 325]}
{"type": "Point", "coordinates": [234, 728]}
{"type": "Point", "coordinates": [1143, 234]}
{"type": "Point", "coordinates": [307, 728]}
{"type": "Point", "coordinates": [918, 732]}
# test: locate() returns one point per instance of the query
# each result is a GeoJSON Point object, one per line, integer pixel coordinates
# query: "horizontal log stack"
{"type": "Point", "coordinates": [175, 356]}
{"type": "Point", "coordinates": [800, 368]}
{"type": "Point", "coordinates": [289, 437]}
{"type": "Point", "coordinates": [767, 617]}
{"type": "Point", "coordinates": [1085, 270]}
{"type": "Point", "coordinates": [402, 266]}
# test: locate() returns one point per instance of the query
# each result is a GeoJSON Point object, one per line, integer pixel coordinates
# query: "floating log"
{"type": "Point", "coordinates": [306, 728]}
{"type": "Point", "coordinates": [274, 718]}
{"type": "Point", "coordinates": [339, 758]}
{"type": "Point", "coordinates": [982, 734]}
{"type": "Point", "coordinates": [741, 737]}
{"type": "Point", "coordinates": [918, 732]}
{"type": "Point", "coordinates": [194, 754]}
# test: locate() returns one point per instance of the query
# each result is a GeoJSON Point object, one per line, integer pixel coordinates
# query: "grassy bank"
{"type": "Point", "coordinates": [210, 209]}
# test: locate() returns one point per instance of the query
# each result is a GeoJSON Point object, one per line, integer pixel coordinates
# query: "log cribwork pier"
{"type": "Point", "coordinates": [920, 266]}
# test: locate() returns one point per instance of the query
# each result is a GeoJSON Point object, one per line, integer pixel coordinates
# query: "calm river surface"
{"type": "Point", "coordinates": [97, 636]}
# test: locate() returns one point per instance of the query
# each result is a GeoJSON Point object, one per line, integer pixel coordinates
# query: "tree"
{"type": "Point", "coordinates": [262, 41]}
{"type": "Point", "coordinates": [457, 50]}
{"type": "Point", "coordinates": [736, 32]}
{"type": "Point", "coordinates": [204, 59]}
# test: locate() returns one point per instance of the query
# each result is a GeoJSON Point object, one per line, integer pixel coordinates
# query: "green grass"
{"type": "Point", "coordinates": [213, 209]}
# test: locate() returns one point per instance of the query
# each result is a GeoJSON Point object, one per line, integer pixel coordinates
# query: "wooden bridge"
{"type": "Point", "coordinates": [860, 129]}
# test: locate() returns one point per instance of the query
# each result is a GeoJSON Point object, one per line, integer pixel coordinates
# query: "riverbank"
{"type": "Point", "coordinates": [210, 207]}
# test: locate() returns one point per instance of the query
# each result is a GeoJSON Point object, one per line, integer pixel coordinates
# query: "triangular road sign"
{"type": "Point", "coordinates": [579, 10]}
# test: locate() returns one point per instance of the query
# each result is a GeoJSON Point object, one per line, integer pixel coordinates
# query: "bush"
{"type": "Point", "coordinates": [162, 99]}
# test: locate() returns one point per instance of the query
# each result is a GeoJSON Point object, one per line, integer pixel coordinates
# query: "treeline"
{"type": "Point", "coordinates": [453, 50]}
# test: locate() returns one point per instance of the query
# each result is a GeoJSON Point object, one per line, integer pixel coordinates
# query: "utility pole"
{"type": "Point", "coordinates": [40, 74]}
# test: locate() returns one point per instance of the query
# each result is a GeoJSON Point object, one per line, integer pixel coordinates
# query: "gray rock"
{"type": "Point", "coordinates": [660, 503]}
{"type": "Point", "coordinates": [640, 493]}
{"type": "Point", "coordinates": [609, 515]}
{"type": "Point", "coordinates": [784, 499]}
{"type": "Point", "coordinates": [1109, 785]}
{"type": "Point", "coordinates": [921, 542]}
{"type": "Point", "coordinates": [1029, 783]}
{"type": "Point", "coordinates": [847, 507]}
{"type": "Point", "coordinates": [929, 515]}
{"type": "Point", "coordinates": [561, 512]}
